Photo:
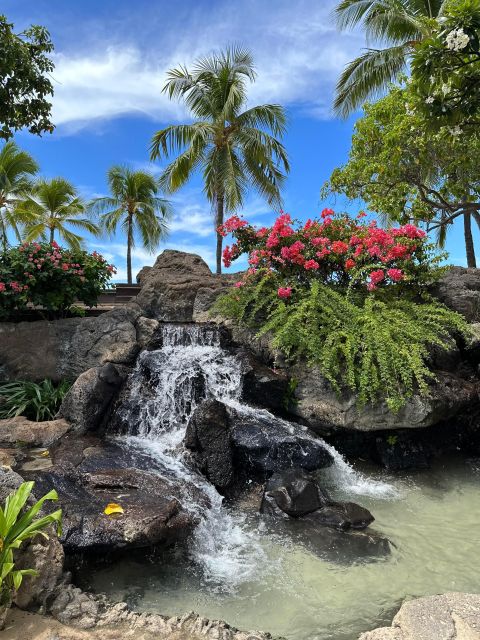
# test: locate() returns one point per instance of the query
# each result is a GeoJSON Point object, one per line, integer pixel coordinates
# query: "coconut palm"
{"type": "Point", "coordinates": [136, 206]}
{"type": "Point", "coordinates": [230, 146]}
{"type": "Point", "coordinates": [400, 24]}
{"type": "Point", "coordinates": [16, 170]}
{"type": "Point", "coordinates": [52, 207]}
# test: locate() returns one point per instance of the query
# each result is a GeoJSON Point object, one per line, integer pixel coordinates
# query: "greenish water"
{"type": "Point", "coordinates": [303, 588]}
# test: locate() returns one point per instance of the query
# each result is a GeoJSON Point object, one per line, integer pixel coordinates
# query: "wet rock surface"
{"type": "Point", "coordinates": [89, 473]}
{"type": "Point", "coordinates": [452, 616]}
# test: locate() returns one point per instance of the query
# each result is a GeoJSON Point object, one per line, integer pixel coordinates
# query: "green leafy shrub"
{"type": "Point", "coordinates": [48, 276]}
{"type": "Point", "coordinates": [17, 525]}
{"type": "Point", "coordinates": [36, 401]}
{"type": "Point", "coordinates": [376, 347]}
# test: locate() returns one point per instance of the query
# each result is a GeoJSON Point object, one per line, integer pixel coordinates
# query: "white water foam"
{"type": "Point", "coordinates": [165, 388]}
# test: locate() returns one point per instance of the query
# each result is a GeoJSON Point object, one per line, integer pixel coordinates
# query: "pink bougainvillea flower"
{"type": "Point", "coordinates": [377, 276]}
{"type": "Point", "coordinates": [327, 213]}
{"type": "Point", "coordinates": [349, 264]}
{"type": "Point", "coordinates": [339, 247]}
{"type": "Point", "coordinates": [395, 274]}
{"type": "Point", "coordinates": [284, 292]}
{"type": "Point", "coordinates": [311, 264]}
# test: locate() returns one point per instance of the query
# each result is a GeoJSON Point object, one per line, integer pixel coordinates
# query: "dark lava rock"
{"type": "Point", "coordinates": [401, 452]}
{"type": "Point", "coordinates": [264, 444]}
{"type": "Point", "coordinates": [263, 386]}
{"type": "Point", "coordinates": [208, 435]}
{"type": "Point", "coordinates": [294, 493]}
{"type": "Point", "coordinates": [89, 473]}
{"type": "Point", "coordinates": [90, 396]}
{"type": "Point", "coordinates": [342, 515]}
{"type": "Point", "coordinates": [459, 289]}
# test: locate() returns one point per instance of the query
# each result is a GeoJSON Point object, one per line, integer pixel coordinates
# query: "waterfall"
{"type": "Point", "coordinates": [163, 391]}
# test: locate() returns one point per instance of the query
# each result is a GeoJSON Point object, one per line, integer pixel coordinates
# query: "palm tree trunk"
{"type": "Point", "coordinates": [470, 249]}
{"type": "Point", "coordinates": [52, 234]}
{"type": "Point", "coordinates": [129, 248]}
{"type": "Point", "coordinates": [218, 222]}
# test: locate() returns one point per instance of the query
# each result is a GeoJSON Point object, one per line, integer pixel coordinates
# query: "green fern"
{"type": "Point", "coordinates": [378, 349]}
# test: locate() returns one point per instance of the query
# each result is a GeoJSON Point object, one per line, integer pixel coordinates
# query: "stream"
{"type": "Point", "coordinates": [256, 573]}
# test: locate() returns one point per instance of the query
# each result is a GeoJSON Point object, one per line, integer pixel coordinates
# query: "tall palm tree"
{"type": "Point", "coordinates": [400, 24]}
{"type": "Point", "coordinates": [16, 170]}
{"type": "Point", "coordinates": [228, 144]}
{"type": "Point", "coordinates": [52, 207]}
{"type": "Point", "coordinates": [135, 205]}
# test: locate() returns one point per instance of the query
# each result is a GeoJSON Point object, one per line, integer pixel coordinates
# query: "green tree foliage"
{"type": "Point", "coordinates": [25, 85]}
{"type": "Point", "coordinates": [406, 172]}
{"type": "Point", "coordinates": [134, 205]}
{"type": "Point", "coordinates": [234, 148]}
{"type": "Point", "coordinates": [16, 170]}
{"type": "Point", "coordinates": [399, 24]}
{"type": "Point", "coordinates": [50, 208]}
{"type": "Point", "coordinates": [19, 523]}
{"type": "Point", "coordinates": [446, 68]}
{"type": "Point", "coordinates": [376, 346]}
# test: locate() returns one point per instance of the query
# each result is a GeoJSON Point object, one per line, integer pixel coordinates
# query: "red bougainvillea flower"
{"type": "Point", "coordinates": [349, 264]}
{"type": "Point", "coordinates": [377, 276]}
{"type": "Point", "coordinates": [284, 292]}
{"type": "Point", "coordinates": [311, 264]}
{"type": "Point", "coordinates": [395, 274]}
{"type": "Point", "coordinates": [339, 247]}
{"type": "Point", "coordinates": [327, 213]}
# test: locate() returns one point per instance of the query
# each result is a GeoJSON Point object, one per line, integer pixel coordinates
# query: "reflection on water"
{"type": "Point", "coordinates": [306, 592]}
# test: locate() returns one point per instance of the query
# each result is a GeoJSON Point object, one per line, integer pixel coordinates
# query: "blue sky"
{"type": "Point", "coordinates": [111, 57]}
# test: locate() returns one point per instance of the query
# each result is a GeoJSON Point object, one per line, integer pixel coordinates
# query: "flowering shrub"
{"type": "Point", "coordinates": [46, 275]}
{"type": "Point", "coordinates": [334, 249]}
{"type": "Point", "coordinates": [343, 294]}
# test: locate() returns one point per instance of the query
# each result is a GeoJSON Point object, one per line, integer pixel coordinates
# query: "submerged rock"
{"type": "Point", "coordinates": [294, 493]}
{"type": "Point", "coordinates": [342, 515]}
{"type": "Point", "coordinates": [452, 616]}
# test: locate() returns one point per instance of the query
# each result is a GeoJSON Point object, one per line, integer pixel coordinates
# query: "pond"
{"type": "Point", "coordinates": [283, 582]}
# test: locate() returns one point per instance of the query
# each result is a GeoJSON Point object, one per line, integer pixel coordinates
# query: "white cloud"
{"type": "Point", "coordinates": [297, 50]}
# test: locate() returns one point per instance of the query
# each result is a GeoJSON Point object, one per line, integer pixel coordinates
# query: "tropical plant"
{"type": "Point", "coordinates": [47, 276]}
{"type": "Point", "coordinates": [136, 206]}
{"type": "Point", "coordinates": [36, 401]}
{"type": "Point", "coordinates": [18, 524]}
{"type": "Point", "coordinates": [25, 84]}
{"type": "Point", "coordinates": [16, 169]}
{"type": "Point", "coordinates": [406, 172]}
{"type": "Point", "coordinates": [401, 24]}
{"type": "Point", "coordinates": [446, 68]}
{"type": "Point", "coordinates": [346, 297]}
{"type": "Point", "coordinates": [50, 208]}
{"type": "Point", "coordinates": [232, 147]}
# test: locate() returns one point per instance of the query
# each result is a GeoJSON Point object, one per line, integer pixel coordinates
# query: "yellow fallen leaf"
{"type": "Point", "coordinates": [45, 453]}
{"type": "Point", "coordinates": [112, 507]}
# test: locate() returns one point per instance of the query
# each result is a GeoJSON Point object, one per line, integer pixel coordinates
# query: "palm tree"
{"type": "Point", "coordinates": [51, 207]}
{"type": "Point", "coordinates": [227, 144]}
{"type": "Point", "coordinates": [400, 24]}
{"type": "Point", "coordinates": [16, 169]}
{"type": "Point", "coordinates": [134, 203]}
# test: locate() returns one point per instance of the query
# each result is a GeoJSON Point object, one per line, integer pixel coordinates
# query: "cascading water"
{"type": "Point", "coordinates": [163, 392]}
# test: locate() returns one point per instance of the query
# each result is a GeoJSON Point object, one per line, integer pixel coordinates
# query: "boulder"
{"type": "Point", "coordinates": [170, 287]}
{"type": "Point", "coordinates": [21, 431]}
{"type": "Point", "coordinates": [89, 473]}
{"type": "Point", "coordinates": [264, 444]}
{"type": "Point", "coordinates": [208, 435]}
{"type": "Point", "coordinates": [452, 616]}
{"type": "Point", "coordinates": [264, 386]}
{"type": "Point", "coordinates": [459, 289]}
{"type": "Point", "coordinates": [89, 398]}
{"type": "Point", "coordinates": [400, 453]}
{"type": "Point", "coordinates": [66, 348]}
{"type": "Point", "coordinates": [323, 409]}
{"type": "Point", "coordinates": [294, 493]}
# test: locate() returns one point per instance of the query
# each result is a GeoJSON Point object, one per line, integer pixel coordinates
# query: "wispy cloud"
{"type": "Point", "coordinates": [297, 50]}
